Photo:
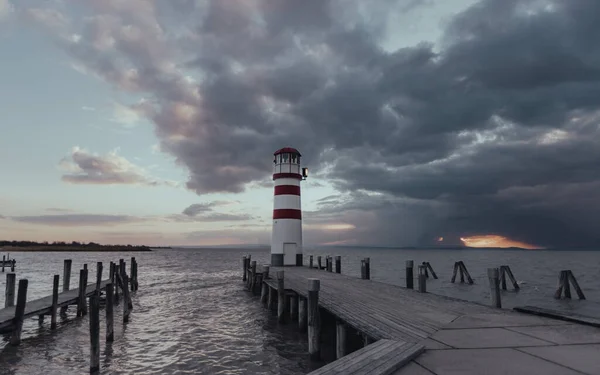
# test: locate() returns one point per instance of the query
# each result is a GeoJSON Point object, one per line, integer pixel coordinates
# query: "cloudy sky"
{"type": "Point", "coordinates": [154, 122]}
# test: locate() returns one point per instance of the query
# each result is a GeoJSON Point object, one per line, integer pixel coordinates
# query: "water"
{"type": "Point", "coordinates": [192, 316]}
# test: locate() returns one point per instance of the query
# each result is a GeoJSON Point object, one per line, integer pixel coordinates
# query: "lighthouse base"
{"type": "Point", "coordinates": [277, 260]}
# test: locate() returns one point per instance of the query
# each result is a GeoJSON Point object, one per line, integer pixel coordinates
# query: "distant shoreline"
{"type": "Point", "coordinates": [56, 248]}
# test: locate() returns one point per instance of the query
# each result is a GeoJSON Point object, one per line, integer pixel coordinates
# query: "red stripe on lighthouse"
{"type": "Point", "coordinates": [287, 213]}
{"type": "Point", "coordinates": [297, 176]}
{"type": "Point", "coordinates": [287, 190]}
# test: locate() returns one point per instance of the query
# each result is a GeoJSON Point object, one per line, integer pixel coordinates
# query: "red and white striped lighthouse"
{"type": "Point", "coordinates": [286, 238]}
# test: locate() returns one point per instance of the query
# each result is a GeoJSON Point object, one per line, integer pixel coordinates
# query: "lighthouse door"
{"type": "Point", "coordinates": [289, 253]}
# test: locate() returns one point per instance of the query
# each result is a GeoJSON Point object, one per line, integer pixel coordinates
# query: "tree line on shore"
{"type": "Point", "coordinates": [74, 245]}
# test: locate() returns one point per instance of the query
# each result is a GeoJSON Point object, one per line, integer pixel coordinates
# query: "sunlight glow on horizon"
{"type": "Point", "coordinates": [493, 240]}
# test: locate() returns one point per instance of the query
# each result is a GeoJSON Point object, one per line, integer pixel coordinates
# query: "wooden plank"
{"type": "Point", "coordinates": [380, 358]}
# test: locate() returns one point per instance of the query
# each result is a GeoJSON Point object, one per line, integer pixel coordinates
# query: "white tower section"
{"type": "Point", "coordinates": [286, 238]}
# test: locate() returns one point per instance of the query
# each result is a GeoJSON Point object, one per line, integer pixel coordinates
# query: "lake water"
{"type": "Point", "coordinates": [192, 316]}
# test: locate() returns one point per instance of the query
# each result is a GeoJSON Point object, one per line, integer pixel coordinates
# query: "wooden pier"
{"type": "Point", "coordinates": [407, 332]}
{"type": "Point", "coordinates": [13, 315]}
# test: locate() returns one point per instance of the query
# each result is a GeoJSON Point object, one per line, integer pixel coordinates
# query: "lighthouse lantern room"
{"type": "Point", "coordinates": [286, 237]}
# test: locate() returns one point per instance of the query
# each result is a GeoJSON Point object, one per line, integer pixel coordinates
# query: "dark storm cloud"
{"type": "Point", "coordinates": [495, 130]}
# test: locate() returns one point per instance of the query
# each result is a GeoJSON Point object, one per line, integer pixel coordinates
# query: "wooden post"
{"type": "Point", "coordinates": [132, 274]}
{"type": "Point", "coordinates": [245, 267]}
{"type": "Point", "coordinates": [454, 272]}
{"type": "Point", "coordinates": [94, 333]}
{"type": "Point", "coordinates": [264, 293]}
{"type": "Point", "coordinates": [115, 278]}
{"type": "Point", "coordinates": [294, 307]}
{"type": "Point", "coordinates": [494, 277]}
{"type": "Point", "coordinates": [12, 265]}
{"type": "Point", "coordinates": [363, 271]}
{"type": "Point", "coordinates": [137, 284]}
{"type": "Point", "coordinates": [54, 302]}
{"type": "Point", "coordinates": [265, 272]}
{"type": "Point", "coordinates": [463, 268]}
{"type": "Point", "coordinates": [253, 276]}
{"type": "Point", "coordinates": [314, 320]}
{"type": "Point", "coordinates": [430, 270]}
{"type": "Point", "coordinates": [409, 274]}
{"type": "Point", "coordinates": [319, 262]}
{"type": "Point", "coordinates": [462, 273]}
{"type": "Point", "coordinates": [258, 282]}
{"type": "Point", "coordinates": [576, 285]}
{"type": "Point", "coordinates": [422, 279]}
{"type": "Point", "coordinates": [426, 271]}
{"type": "Point", "coordinates": [302, 313]}
{"type": "Point", "coordinates": [19, 312]}
{"type": "Point", "coordinates": [340, 339]}
{"type": "Point", "coordinates": [85, 266]}
{"type": "Point", "coordinates": [67, 274]}
{"type": "Point", "coordinates": [368, 268]}
{"type": "Point", "coordinates": [502, 277]}
{"type": "Point", "coordinates": [126, 299]}
{"type": "Point", "coordinates": [3, 260]}
{"type": "Point", "coordinates": [98, 277]}
{"type": "Point", "coordinates": [511, 277]}
{"type": "Point", "coordinates": [338, 264]}
{"type": "Point", "coordinates": [280, 297]}
{"type": "Point", "coordinates": [9, 295]}
{"type": "Point", "coordinates": [81, 298]}
{"type": "Point", "coordinates": [271, 299]}
{"type": "Point", "coordinates": [110, 315]}
{"type": "Point", "coordinates": [310, 262]}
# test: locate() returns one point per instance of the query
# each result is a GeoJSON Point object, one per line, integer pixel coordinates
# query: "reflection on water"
{"type": "Point", "coordinates": [192, 316]}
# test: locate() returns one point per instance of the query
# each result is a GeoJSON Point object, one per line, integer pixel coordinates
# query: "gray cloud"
{"type": "Point", "coordinates": [493, 130]}
{"type": "Point", "coordinates": [76, 220]}
{"type": "Point", "coordinates": [204, 212]}
{"type": "Point", "coordinates": [82, 167]}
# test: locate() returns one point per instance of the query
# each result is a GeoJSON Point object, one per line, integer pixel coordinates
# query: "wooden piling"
{"type": "Point", "coordinates": [430, 269]}
{"type": "Point", "coordinates": [54, 308]}
{"type": "Point", "coordinates": [314, 320]}
{"type": "Point", "coordinates": [319, 262]}
{"type": "Point", "coordinates": [115, 281]}
{"type": "Point", "coordinates": [280, 297]}
{"type": "Point", "coordinates": [132, 274]}
{"type": "Point", "coordinates": [3, 260]}
{"type": "Point", "coordinates": [409, 274]}
{"type": "Point", "coordinates": [362, 269]}
{"type": "Point", "coordinates": [258, 282]}
{"type": "Point", "coordinates": [422, 279]}
{"type": "Point", "coordinates": [454, 271]}
{"type": "Point", "coordinates": [15, 338]}
{"type": "Point", "coordinates": [302, 313]}
{"type": "Point", "coordinates": [81, 303]}
{"type": "Point", "coordinates": [338, 264]}
{"type": "Point", "coordinates": [94, 333]}
{"type": "Point", "coordinates": [576, 285]}
{"type": "Point", "coordinates": [310, 262]}
{"type": "Point", "coordinates": [494, 277]}
{"type": "Point", "coordinates": [340, 339]}
{"type": "Point", "coordinates": [137, 284]}
{"type": "Point", "coordinates": [12, 265]}
{"type": "Point", "coordinates": [505, 271]}
{"type": "Point", "coordinates": [245, 268]}
{"type": "Point", "coordinates": [67, 274]}
{"type": "Point", "coordinates": [9, 295]}
{"type": "Point", "coordinates": [98, 277]}
{"type": "Point", "coordinates": [266, 271]}
{"type": "Point", "coordinates": [252, 276]}
{"type": "Point", "coordinates": [271, 299]}
{"type": "Point", "coordinates": [264, 292]}
{"type": "Point", "coordinates": [127, 305]}
{"type": "Point", "coordinates": [110, 315]}
{"type": "Point", "coordinates": [368, 268]}
{"type": "Point", "coordinates": [294, 307]}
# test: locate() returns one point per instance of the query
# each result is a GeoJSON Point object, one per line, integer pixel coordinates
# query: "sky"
{"type": "Point", "coordinates": [422, 122]}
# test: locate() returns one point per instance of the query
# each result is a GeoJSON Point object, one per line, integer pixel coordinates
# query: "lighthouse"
{"type": "Point", "coordinates": [286, 237]}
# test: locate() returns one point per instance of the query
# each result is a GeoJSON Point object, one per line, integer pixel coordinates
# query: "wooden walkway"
{"type": "Point", "coordinates": [44, 305]}
{"type": "Point", "coordinates": [458, 336]}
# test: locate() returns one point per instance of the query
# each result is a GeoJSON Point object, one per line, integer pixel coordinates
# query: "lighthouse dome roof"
{"type": "Point", "coordinates": [290, 150]}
